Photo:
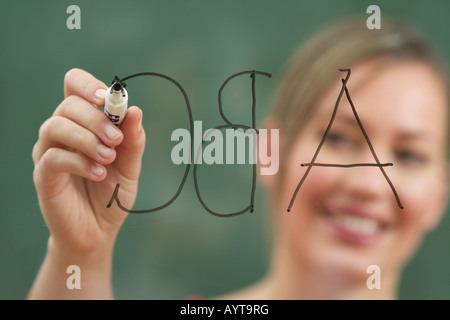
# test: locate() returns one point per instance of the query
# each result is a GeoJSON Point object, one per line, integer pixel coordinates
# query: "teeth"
{"type": "Point", "coordinates": [356, 224]}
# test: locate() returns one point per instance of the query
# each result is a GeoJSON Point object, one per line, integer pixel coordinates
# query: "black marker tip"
{"type": "Point", "coordinates": [117, 86]}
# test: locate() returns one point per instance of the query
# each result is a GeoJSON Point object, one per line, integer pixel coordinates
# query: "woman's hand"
{"type": "Point", "coordinates": [79, 158]}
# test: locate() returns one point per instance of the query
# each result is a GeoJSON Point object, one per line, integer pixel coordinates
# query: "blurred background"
{"type": "Point", "coordinates": [182, 249]}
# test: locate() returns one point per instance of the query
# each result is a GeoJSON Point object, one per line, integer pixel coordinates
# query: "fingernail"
{"type": "Point", "coordinates": [112, 132]}
{"type": "Point", "coordinates": [100, 93]}
{"type": "Point", "coordinates": [97, 170]}
{"type": "Point", "coordinates": [104, 151]}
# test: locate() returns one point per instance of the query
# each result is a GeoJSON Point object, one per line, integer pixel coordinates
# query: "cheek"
{"type": "Point", "coordinates": [423, 205]}
{"type": "Point", "coordinates": [423, 202]}
{"type": "Point", "coordinates": [319, 183]}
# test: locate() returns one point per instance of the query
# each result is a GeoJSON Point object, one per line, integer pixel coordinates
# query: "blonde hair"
{"type": "Point", "coordinates": [314, 68]}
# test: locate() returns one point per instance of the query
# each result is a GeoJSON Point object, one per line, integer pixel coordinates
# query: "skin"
{"type": "Point", "coordinates": [311, 257]}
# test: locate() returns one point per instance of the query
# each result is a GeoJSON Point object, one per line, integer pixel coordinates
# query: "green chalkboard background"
{"type": "Point", "coordinates": [182, 249]}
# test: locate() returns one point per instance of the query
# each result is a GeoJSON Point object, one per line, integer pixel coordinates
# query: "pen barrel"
{"type": "Point", "coordinates": [116, 104]}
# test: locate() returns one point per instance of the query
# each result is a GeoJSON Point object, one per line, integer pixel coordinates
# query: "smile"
{"type": "Point", "coordinates": [355, 225]}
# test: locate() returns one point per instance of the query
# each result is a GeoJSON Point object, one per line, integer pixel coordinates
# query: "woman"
{"type": "Point", "coordinates": [342, 221]}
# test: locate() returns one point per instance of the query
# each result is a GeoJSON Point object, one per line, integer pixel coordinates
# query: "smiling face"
{"type": "Point", "coordinates": [346, 219]}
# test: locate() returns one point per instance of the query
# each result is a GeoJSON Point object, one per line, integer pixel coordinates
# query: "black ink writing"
{"type": "Point", "coordinates": [253, 73]}
{"type": "Point", "coordinates": [366, 137]}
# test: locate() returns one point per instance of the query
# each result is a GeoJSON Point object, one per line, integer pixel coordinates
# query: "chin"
{"type": "Point", "coordinates": [340, 264]}
{"type": "Point", "coordinates": [341, 241]}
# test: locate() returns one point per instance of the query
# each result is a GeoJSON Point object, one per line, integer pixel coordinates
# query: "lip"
{"type": "Point", "coordinates": [334, 215]}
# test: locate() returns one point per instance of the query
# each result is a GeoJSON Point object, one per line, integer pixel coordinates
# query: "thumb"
{"type": "Point", "coordinates": [130, 151]}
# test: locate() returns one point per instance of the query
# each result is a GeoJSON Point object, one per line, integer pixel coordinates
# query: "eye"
{"type": "Point", "coordinates": [339, 139]}
{"type": "Point", "coordinates": [411, 158]}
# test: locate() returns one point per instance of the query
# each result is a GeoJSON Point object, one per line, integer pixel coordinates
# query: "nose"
{"type": "Point", "coordinates": [366, 181]}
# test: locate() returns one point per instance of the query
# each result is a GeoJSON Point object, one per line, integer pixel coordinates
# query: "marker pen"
{"type": "Point", "coordinates": [116, 103]}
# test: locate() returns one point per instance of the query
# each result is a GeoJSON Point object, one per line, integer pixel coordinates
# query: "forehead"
{"type": "Point", "coordinates": [402, 96]}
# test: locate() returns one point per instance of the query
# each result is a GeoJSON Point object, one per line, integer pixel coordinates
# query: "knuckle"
{"type": "Point", "coordinates": [68, 102]}
{"type": "Point", "coordinates": [36, 174]}
{"type": "Point", "coordinates": [93, 116]}
{"type": "Point", "coordinates": [84, 139]}
{"type": "Point", "coordinates": [48, 127]}
{"type": "Point", "coordinates": [70, 75]}
{"type": "Point", "coordinates": [50, 158]}
{"type": "Point", "coordinates": [45, 128]}
{"type": "Point", "coordinates": [72, 99]}
{"type": "Point", "coordinates": [35, 153]}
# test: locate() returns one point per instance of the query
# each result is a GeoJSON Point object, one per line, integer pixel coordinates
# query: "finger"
{"type": "Point", "coordinates": [56, 161]}
{"type": "Point", "coordinates": [81, 83]}
{"type": "Point", "coordinates": [62, 132]}
{"type": "Point", "coordinates": [130, 151]}
{"type": "Point", "coordinates": [93, 119]}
